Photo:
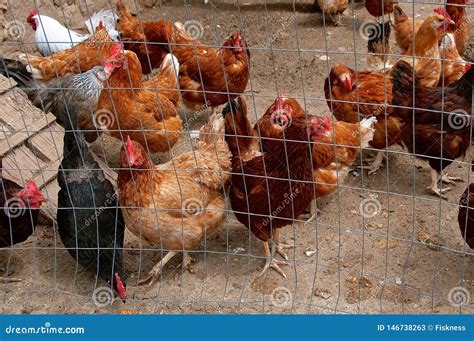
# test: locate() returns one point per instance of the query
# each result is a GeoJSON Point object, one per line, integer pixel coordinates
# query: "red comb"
{"type": "Point", "coordinates": [467, 67]}
{"type": "Point", "coordinates": [327, 122]}
{"type": "Point", "coordinates": [441, 11]}
{"type": "Point", "coordinates": [31, 186]}
{"type": "Point", "coordinates": [101, 24]}
{"type": "Point", "coordinates": [120, 288]}
{"type": "Point", "coordinates": [115, 50]}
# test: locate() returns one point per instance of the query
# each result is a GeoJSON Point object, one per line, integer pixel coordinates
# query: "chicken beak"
{"type": "Point", "coordinates": [347, 84]}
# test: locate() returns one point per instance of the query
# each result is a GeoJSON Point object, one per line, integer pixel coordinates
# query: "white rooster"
{"type": "Point", "coordinates": [51, 36]}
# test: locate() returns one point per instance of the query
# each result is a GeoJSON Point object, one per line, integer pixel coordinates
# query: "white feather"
{"type": "Point", "coordinates": [171, 61]}
{"type": "Point", "coordinates": [368, 125]}
{"type": "Point", "coordinates": [109, 20]}
{"type": "Point", "coordinates": [51, 36]}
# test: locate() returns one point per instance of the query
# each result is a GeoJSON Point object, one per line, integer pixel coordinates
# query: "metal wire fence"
{"type": "Point", "coordinates": [379, 244]}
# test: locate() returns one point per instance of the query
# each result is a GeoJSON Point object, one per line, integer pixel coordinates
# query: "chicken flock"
{"type": "Point", "coordinates": [271, 171]}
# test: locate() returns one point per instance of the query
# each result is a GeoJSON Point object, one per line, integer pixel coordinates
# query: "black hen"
{"type": "Point", "coordinates": [89, 218]}
{"type": "Point", "coordinates": [19, 211]}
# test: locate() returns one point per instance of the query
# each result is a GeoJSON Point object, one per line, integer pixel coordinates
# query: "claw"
{"type": "Point", "coordinates": [450, 179]}
{"type": "Point", "coordinates": [275, 265]}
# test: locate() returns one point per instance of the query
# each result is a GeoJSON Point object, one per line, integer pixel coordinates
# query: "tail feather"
{"type": "Point", "coordinates": [14, 69]}
{"type": "Point", "coordinates": [108, 18]}
{"type": "Point", "coordinates": [239, 134]}
{"type": "Point", "coordinates": [403, 78]}
{"type": "Point", "coordinates": [213, 130]}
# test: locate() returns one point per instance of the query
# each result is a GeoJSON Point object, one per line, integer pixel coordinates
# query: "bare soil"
{"type": "Point", "coordinates": [405, 259]}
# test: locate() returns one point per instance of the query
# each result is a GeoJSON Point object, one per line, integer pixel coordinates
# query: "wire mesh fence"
{"type": "Point", "coordinates": [174, 221]}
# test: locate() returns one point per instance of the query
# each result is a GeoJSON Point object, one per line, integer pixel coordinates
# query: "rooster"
{"type": "Point", "coordinates": [272, 187]}
{"type": "Point", "coordinates": [454, 66]}
{"type": "Point", "coordinates": [438, 120]}
{"type": "Point", "coordinates": [145, 111]}
{"type": "Point", "coordinates": [333, 9]}
{"type": "Point", "coordinates": [348, 140]}
{"type": "Point", "coordinates": [90, 221]}
{"type": "Point", "coordinates": [51, 96]}
{"type": "Point", "coordinates": [81, 58]}
{"type": "Point", "coordinates": [52, 37]}
{"type": "Point", "coordinates": [19, 213]}
{"type": "Point", "coordinates": [177, 204]}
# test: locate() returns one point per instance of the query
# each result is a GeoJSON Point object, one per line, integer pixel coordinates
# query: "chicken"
{"type": "Point", "coordinates": [428, 66]}
{"type": "Point", "coordinates": [270, 189]}
{"type": "Point", "coordinates": [51, 96]}
{"type": "Point", "coordinates": [209, 77]}
{"type": "Point", "coordinates": [457, 10]}
{"type": "Point", "coordinates": [454, 67]}
{"type": "Point", "coordinates": [405, 29]}
{"type": "Point", "coordinates": [145, 111]}
{"type": "Point", "coordinates": [352, 96]}
{"type": "Point", "coordinates": [441, 127]}
{"type": "Point", "coordinates": [177, 204]}
{"type": "Point", "coordinates": [90, 222]}
{"type": "Point", "coordinates": [81, 58]}
{"type": "Point", "coordinates": [154, 36]}
{"type": "Point", "coordinates": [333, 9]}
{"type": "Point", "coordinates": [19, 213]}
{"type": "Point", "coordinates": [347, 135]}
{"type": "Point", "coordinates": [378, 46]}
{"type": "Point", "coordinates": [379, 8]}
{"type": "Point", "coordinates": [466, 215]}
{"type": "Point", "coordinates": [52, 37]}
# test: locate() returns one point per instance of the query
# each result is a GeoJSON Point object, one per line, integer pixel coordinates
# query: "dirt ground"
{"type": "Point", "coordinates": [404, 259]}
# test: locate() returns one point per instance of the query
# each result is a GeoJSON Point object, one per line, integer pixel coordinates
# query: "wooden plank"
{"type": "Point", "coordinates": [49, 208]}
{"type": "Point", "coordinates": [21, 136]}
{"type": "Point", "coordinates": [48, 143]}
{"type": "Point", "coordinates": [6, 83]}
{"type": "Point", "coordinates": [16, 110]}
{"type": "Point", "coordinates": [21, 164]}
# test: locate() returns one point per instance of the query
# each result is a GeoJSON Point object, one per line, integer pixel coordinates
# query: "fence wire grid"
{"type": "Point", "coordinates": [380, 242]}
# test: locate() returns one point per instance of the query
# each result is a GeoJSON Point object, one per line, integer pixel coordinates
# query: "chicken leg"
{"type": "Point", "coordinates": [314, 211]}
{"type": "Point", "coordinates": [445, 178]}
{"type": "Point", "coordinates": [154, 273]}
{"type": "Point", "coordinates": [271, 262]}
{"type": "Point", "coordinates": [376, 164]}
{"type": "Point", "coordinates": [279, 246]}
{"type": "Point", "coordinates": [433, 188]}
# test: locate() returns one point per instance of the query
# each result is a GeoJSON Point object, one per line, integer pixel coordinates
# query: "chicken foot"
{"type": "Point", "coordinates": [154, 273]}
{"type": "Point", "coordinates": [271, 262]}
{"type": "Point", "coordinates": [433, 188]}
{"type": "Point", "coordinates": [314, 211]}
{"type": "Point", "coordinates": [445, 178]}
{"type": "Point", "coordinates": [279, 246]}
{"type": "Point", "coordinates": [376, 164]}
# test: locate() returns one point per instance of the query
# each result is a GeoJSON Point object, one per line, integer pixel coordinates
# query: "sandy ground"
{"type": "Point", "coordinates": [341, 263]}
